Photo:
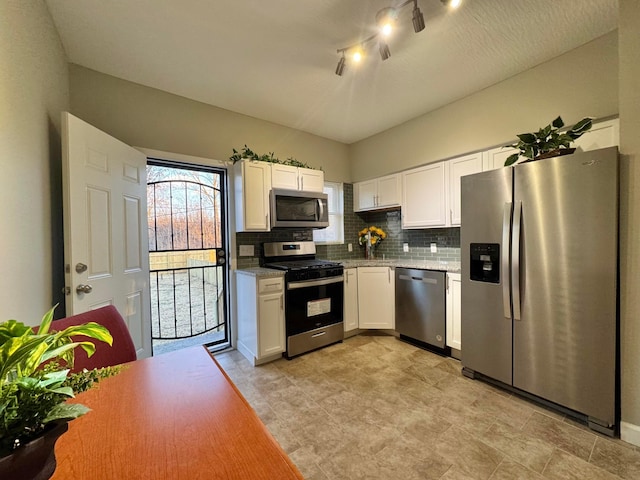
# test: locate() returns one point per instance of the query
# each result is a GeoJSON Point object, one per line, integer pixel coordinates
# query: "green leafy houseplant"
{"type": "Point", "coordinates": [35, 381]}
{"type": "Point", "coordinates": [246, 153]}
{"type": "Point", "coordinates": [547, 140]}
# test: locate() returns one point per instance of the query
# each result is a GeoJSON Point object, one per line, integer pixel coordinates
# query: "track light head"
{"type": "Point", "coordinates": [451, 3]}
{"type": "Point", "coordinates": [341, 64]}
{"type": "Point", "coordinates": [418, 19]}
{"type": "Point", "coordinates": [384, 50]}
{"type": "Point", "coordinates": [358, 54]}
{"type": "Point", "coordinates": [386, 20]}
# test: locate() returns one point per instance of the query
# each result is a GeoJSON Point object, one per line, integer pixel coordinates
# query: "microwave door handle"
{"type": "Point", "coordinates": [320, 210]}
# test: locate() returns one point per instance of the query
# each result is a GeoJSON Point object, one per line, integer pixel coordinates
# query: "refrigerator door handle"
{"type": "Point", "coordinates": [504, 259]}
{"type": "Point", "coordinates": [515, 259]}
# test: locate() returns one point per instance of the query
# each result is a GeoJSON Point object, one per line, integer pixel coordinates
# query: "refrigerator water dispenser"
{"type": "Point", "coordinates": [485, 262]}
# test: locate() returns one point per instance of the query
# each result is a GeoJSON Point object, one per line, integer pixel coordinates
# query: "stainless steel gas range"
{"type": "Point", "coordinates": [314, 295]}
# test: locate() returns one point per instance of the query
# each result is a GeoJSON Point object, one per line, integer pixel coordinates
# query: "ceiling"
{"type": "Point", "coordinates": [275, 60]}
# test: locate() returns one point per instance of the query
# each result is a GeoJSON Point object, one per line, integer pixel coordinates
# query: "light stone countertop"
{"type": "Point", "coordinates": [261, 272]}
{"type": "Point", "coordinates": [442, 265]}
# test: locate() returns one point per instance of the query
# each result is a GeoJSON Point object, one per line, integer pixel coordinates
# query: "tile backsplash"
{"type": "Point", "coordinates": [447, 240]}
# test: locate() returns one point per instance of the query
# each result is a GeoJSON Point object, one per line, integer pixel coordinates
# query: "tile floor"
{"type": "Point", "coordinates": [375, 407]}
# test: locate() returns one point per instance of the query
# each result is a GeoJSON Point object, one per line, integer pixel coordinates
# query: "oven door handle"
{"type": "Point", "coordinates": [314, 283]}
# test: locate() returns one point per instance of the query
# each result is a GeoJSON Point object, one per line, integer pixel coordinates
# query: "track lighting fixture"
{"type": "Point", "coordinates": [386, 21]}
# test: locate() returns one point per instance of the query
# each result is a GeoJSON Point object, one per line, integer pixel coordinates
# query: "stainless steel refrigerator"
{"type": "Point", "coordinates": [539, 248]}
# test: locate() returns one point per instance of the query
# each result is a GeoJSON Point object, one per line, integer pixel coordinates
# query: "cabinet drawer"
{"type": "Point", "coordinates": [269, 285]}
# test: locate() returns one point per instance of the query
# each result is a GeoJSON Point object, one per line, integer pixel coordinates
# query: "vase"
{"type": "Point", "coordinates": [35, 460]}
{"type": "Point", "coordinates": [370, 253]}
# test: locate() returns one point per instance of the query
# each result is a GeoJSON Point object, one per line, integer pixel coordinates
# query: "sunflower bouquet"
{"type": "Point", "coordinates": [376, 234]}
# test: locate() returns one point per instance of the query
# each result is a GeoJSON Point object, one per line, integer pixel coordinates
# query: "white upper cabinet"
{"type": "Point", "coordinates": [295, 178]}
{"type": "Point", "coordinates": [376, 194]}
{"type": "Point", "coordinates": [364, 195]}
{"type": "Point", "coordinates": [284, 176]}
{"type": "Point", "coordinates": [495, 158]}
{"type": "Point", "coordinates": [602, 135]}
{"type": "Point", "coordinates": [458, 168]}
{"type": "Point", "coordinates": [252, 181]}
{"type": "Point", "coordinates": [424, 196]}
{"type": "Point", "coordinates": [311, 180]}
{"type": "Point", "coordinates": [389, 189]}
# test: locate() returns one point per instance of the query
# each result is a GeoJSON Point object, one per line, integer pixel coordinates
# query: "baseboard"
{"type": "Point", "coordinates": [630, 433]}
{"type": "Point", "coordinates": [352, 333]}
{"type": "Point", "coordinates": [246, 353]}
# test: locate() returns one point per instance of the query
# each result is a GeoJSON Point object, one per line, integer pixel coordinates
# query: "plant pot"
{"type": "Point", "coordinates": [36, 460]}
{"type": "Point", "coordinates": [556, 153]}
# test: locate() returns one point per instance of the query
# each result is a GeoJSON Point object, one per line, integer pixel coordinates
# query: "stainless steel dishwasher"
{"type": "Point", "coordinates": [421, 306]}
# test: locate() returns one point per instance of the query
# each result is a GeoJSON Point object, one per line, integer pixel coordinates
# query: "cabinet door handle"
{"type": "Point", "coordinates": [450, 215]}
{"type": "Point", "coordinates": [266, 219]}
{"type": "Point", "coordinates": [301, 183]}
{"type": "Point", "coordinates": [281, 302]}
{"type": "Point", "coordinates": [389, 274]}
{"type": "Point", "coordinates": [447, 283]}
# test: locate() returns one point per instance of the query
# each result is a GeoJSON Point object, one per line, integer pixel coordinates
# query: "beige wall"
{"type": "Point", "coordinates": [629, 31]}
{"type": "Point", "coordinates": [580, 83]}
{"type": "Point", "coordinates": [150, 118]}
{"type": "Point", "coordinates": [34, 89]}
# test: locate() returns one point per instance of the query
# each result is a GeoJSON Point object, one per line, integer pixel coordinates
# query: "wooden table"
{"type": "Point", "coordinates": [175, 416]}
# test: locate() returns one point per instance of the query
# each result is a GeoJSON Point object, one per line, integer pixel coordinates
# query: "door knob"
{"type": "Point", "coordinates": [81, 267]}
{"type": "Point", "coordinates": [84, 289]}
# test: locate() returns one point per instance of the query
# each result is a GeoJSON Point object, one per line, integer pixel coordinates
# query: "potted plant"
{"type": "Point", "coordinates": [34, 385]}
{"type": "Point", "coordinates": [248, 154]}
{"type": "Point", "coordinates": [548, 141]}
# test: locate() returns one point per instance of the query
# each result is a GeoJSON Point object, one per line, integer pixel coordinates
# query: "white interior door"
{"type": "Point", "coordinates": [105, 223]}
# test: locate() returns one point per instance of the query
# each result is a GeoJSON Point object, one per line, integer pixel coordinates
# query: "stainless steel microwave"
{"type": "Point", "coordinates": [296, 209]}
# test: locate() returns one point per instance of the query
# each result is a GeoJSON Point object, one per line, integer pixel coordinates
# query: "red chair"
{"type": "Point", "coordinates": [121, 351]}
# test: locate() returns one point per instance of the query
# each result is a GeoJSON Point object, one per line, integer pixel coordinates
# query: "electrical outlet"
{"type": "Point", "coordinates": [434, 248]}
{"type": "Point", "coordinates": [246, 250]}
{"type": "Point", "coordinates": [350, 247]}
{"type": "Point", "coordinates": [405, 247]}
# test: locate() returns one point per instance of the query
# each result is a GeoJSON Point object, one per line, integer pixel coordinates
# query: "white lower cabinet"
{"type": "Point", "coordinates": [453, 311]}
{"type": "Point", "coordinates": [376, 298]}
{"type": "Point", "coordinates": [350, 315]}
{"type": "Point", "coordinates": [261, 335]}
